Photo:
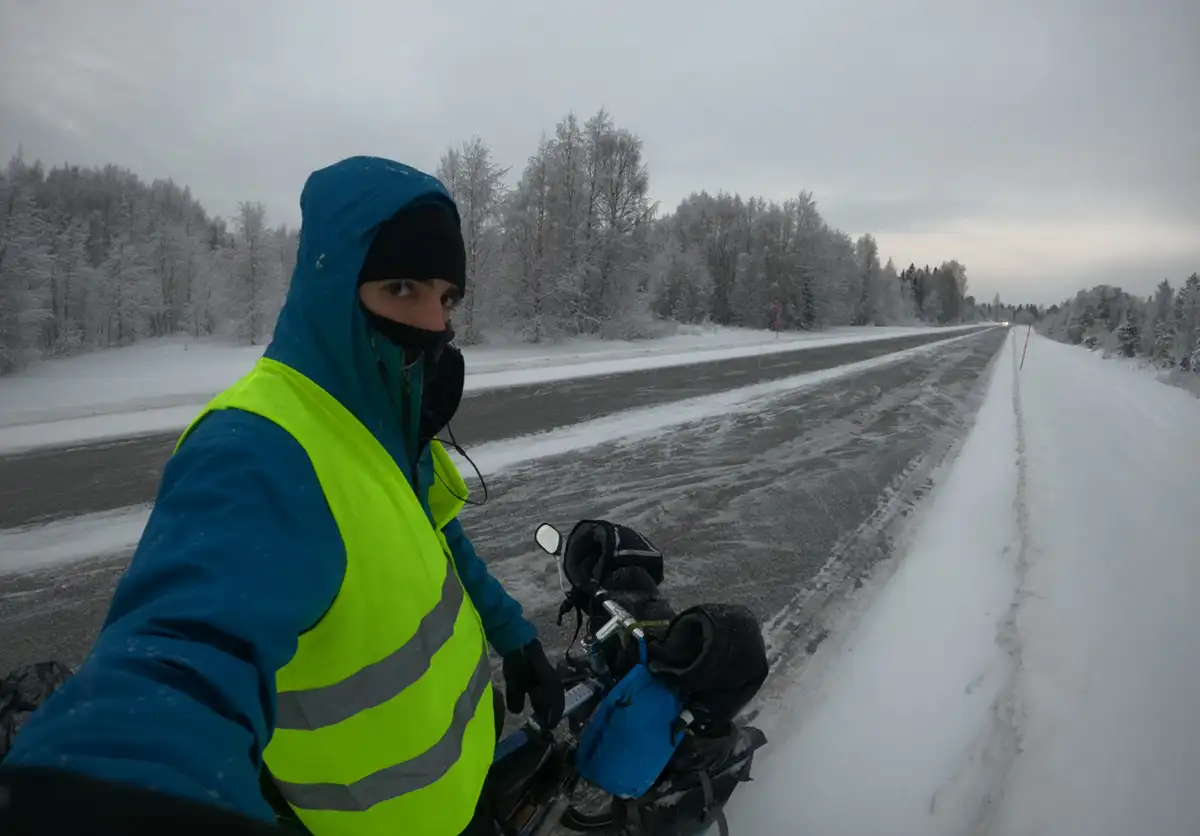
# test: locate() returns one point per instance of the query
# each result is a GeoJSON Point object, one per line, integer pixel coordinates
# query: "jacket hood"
{"type": "Point", "coordinates": [322, 332]}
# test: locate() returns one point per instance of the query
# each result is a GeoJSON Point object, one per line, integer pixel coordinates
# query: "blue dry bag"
{"type": "Point", "coordinates": [631, 735]}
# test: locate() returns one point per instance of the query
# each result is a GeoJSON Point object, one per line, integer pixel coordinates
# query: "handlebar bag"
{"type": "Point", "coordinates": [631, 735]}
{"type": "Point", "coordinates": [597, 548]}
{"type": "Point", "coordinates": [22, 692]}
{"type": "Point", "coordinates": [714, 655]}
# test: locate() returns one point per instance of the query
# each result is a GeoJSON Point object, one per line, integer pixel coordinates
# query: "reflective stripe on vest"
{"type": "Point", "coordinates": [384, 715]}
{"type": "Point", "coordinates": [375, 684]}
{"type": "Point", "coordinates": [401, 778]}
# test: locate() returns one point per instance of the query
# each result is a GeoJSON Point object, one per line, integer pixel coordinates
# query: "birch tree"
{"type": "Point", "coordinates": [476, 183]}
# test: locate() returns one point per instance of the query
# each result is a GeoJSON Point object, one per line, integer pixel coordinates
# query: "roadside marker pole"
{"type": "Point", "coordinates": [1026, 348]}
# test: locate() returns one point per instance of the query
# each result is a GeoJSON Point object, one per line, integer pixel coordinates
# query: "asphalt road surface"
{"type": "Point", "coordinates": [46, 485]}
{"type": "Point", "coordinates": [776, 506]}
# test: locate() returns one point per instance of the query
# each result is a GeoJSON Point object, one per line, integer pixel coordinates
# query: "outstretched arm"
{"type": "Point", "coordinates": [503, 620]}
{"type": "Point", "coordinates": [239, 557]}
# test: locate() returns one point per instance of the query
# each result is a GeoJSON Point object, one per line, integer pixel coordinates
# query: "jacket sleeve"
{"type": "Point", "coordinates": [503, 620]}
{"type": "Point", "coordinates": [240, 555]}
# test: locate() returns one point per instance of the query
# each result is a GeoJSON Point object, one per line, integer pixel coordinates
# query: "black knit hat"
{"type": "Point", "coordinates": [422, 242]}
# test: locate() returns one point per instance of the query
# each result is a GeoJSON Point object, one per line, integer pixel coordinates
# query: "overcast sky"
{"type": "Point", "coordinates": [1046, 144]}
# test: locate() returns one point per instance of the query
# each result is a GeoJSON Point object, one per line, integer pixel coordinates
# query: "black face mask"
{"type": "Point", "coordinates": [414, 341]}
{"type": "Point", "coordinates": [445, 371]}
{"type": "Point", "coordinates": [442, 391]}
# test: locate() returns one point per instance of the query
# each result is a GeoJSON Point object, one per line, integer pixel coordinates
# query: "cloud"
{"type": "Point", "coordinates": [992, 127]}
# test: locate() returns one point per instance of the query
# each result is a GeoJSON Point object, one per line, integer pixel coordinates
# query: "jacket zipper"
{"type": "Point", "coordinates": [405, 420]}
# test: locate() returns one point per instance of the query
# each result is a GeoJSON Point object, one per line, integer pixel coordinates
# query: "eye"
{"type": "Point", "coordinates": [450, 301]}
{"type": "Point", "coordinates": [399, 289]}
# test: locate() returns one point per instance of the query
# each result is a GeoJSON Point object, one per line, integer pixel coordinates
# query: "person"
{"type": "Point", "coordinates": [296, 600]}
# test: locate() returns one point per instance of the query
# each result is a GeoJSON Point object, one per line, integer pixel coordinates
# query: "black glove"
{"type": "Point", "coordinates": [528, 671]}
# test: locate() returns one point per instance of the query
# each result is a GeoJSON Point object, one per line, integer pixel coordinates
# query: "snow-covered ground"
{"type": "Point", "coordinates": [1033, 664]}
{"type": "Point", "coordinates": [1109, 621]}
{"type": "Point", "coordinates": [42, 546]}
{"type": "Point", "coordinates": [159, 385]}
{"type": "Point", "coordinates": [57, 543]}
{"type": "Point", "coordinates": [1174, 376]}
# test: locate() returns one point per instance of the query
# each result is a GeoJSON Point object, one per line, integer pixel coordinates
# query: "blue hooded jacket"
{"type": "Point", "coordinates": [241, 553]}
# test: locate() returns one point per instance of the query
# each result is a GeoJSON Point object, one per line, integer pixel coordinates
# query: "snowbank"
{"type": "Point", "coordinates": [1173, 376]}
{"type": "Point", "coordinates": [895, 736]}
{"type": "Point", "coordinates": [1108, 625]}
{"type": "Point", "coordinates": [159, 385]}
{"type": "Point", "coordinates": [1033, 665]}
{"type": "Point", "coordinates": [56, 543]}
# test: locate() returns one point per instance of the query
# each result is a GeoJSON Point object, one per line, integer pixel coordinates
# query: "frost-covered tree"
{"type": "Point", "coordinates": [1129, 333]}
{"type": "Point", "coordinates": [476, 183]}
{"type": "Point", "coordinates": [1164, 328]}
{"type": "Point", "coordinates": [26, 269]}
{"type": "Point", "coordinates": [533, 294]}
{"type": "Point", "coordinates": [869, 309]}
{"type": "Point", "coordinates": [769, 261]}
{"type": "Point", "coordinates": [126, 284]}
{"type": "Point", "coordinates": [121, 297]}
{"type": "Point", "coordinates": [933, 305]}
{"type": "Point", "coordinates": [577, 234]}
{"type": "Point", "coordinates": [94, 257]}
{"type": "Point", "coordinates": [712, 226]}
{"type": "Point", "coordinates": [255, 293]}
{"type": "Point", "coordinates": [618, 275]}
{"type": "Point", "coordinates": [1157, 333]}
{"type": "Point", "coordinates": [71, 277]}
{"type": "Point", "coordinates": [681, 286]}
{"type": "Point", "coordinates": [897, 305]}
{"type": "Point", "coordinates": [1186, 319]}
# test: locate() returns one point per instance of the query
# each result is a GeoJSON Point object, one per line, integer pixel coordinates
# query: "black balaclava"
{"type": "Point", "coordinates": [422, 242]}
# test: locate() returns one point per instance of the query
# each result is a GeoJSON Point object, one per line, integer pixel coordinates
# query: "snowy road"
{"type": "Point", "coordinates": [1029, 663]}
{"type": "Point", "coordinates": [778, 504]}
{"type": "Point", "coordinates": [45, 485]}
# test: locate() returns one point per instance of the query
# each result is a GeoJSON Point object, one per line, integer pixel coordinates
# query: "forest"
{"type": "Point", "coordinates": [94, 257]}
{"type": "Point", "coordinates": [1163, 328]}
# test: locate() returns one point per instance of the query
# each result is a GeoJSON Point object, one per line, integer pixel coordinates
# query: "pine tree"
{"type": "Point", "coordinates": [1186, 314]}
{"type": "Point", "coordinates": [1129, 334]}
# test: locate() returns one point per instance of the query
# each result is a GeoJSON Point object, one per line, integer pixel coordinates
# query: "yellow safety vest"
{"type": "Point", "coordinates": [385, 722]}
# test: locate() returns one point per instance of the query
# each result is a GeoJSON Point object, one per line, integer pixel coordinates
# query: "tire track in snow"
{"type": "Point", "coordinates": [48, 484]}
{"type": "Point", "coordinates": [1004, 744]}
{"type": "Point", "coordinates": [795, 631]}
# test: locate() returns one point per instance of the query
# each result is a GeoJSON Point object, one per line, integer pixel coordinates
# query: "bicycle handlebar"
{"type": "Point", "coordinates": [621, 619]}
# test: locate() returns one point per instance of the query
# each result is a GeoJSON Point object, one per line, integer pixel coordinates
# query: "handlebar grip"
{"type": "Point", "coordinates": [621, 617]}
{"type": "Point", "coordinates": [618, 612]}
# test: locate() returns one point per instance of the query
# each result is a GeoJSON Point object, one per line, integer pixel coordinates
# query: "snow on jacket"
{"type": "Point", "coordinates": [241, 554]}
